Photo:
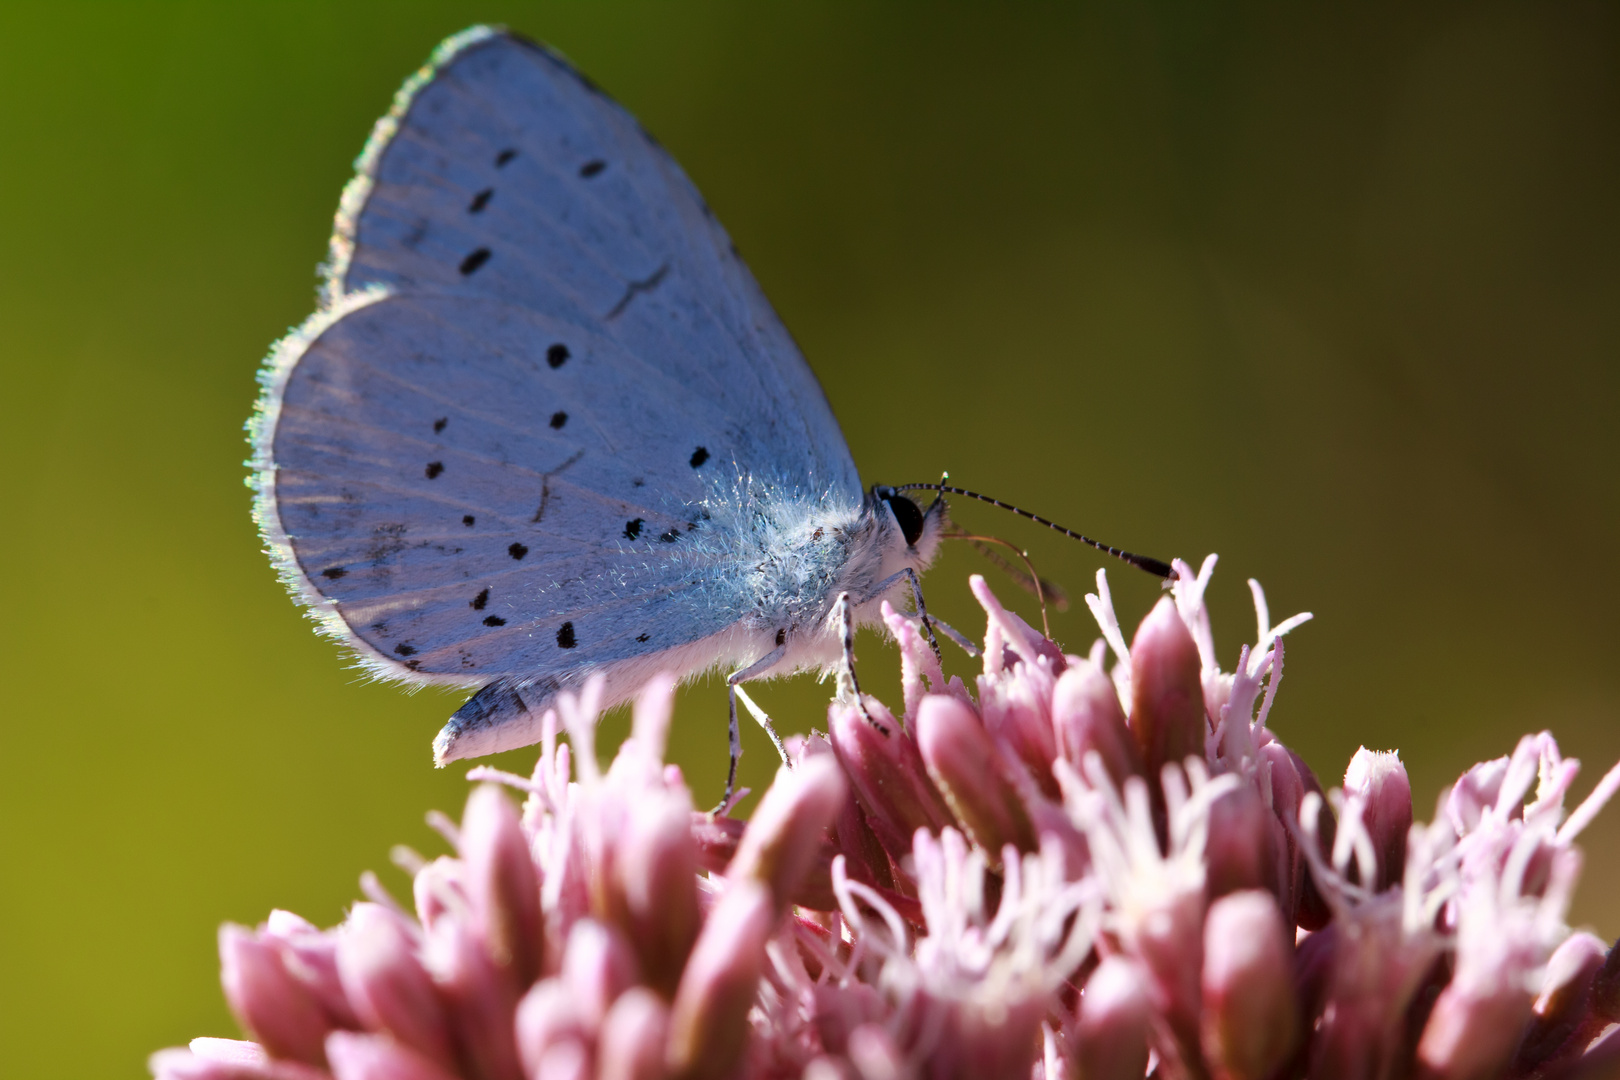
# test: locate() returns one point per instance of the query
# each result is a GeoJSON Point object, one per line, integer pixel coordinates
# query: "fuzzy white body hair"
{"type": "Point", "coordinates": [779, 560]}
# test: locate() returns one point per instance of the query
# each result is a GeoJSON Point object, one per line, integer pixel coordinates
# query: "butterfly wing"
{"type": "Point", "coordinates": [484, 460]}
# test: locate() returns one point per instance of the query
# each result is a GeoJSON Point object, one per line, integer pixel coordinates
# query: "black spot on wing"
{"type": "Point", "coordinates": [477, 603]}
{"type": "Point", "coordinates": [434, 468]}
{"type": "Point", "coordinates": [592, 167]}
{"type": "Point", "coordinates": [475, 258]}
{"type": "Point", "coordinates": [671, 536]}
{"type": "Point", "coordinates": [557, 355]}
{"type": "Point", "coordinates": [438, 425]}
{"type": "Point", "coordinates": [494, 620]}
{"type": "Point", "coordinates": [517, 551]}
{"type": "Point", "coordinates": [504, 156]}
{"type": "Point", "coordinates": [558, 419]}
{"type": "Point", "coordinates": [641, 637]}
{"type": "Point", "coordinates": [632, 529]}
{"type": "Point", "coordinates": [404, 649]}
{"type": "Point", "coordinates": [565, 636]}
{"type": "Point", "coordinates": [699, 456]}
{"type": "Point", "coordinates": [332, 573]}
{"type": "Point", "coordinates": [468, 520]}
{"type": "Point", "coordinates": [480, 200]}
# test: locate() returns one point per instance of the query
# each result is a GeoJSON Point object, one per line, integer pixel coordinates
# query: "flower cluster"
{"type": "Point", "coordinates": [1070, 869]}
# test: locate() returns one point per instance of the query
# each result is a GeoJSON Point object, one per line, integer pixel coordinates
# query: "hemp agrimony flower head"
{"type": "Point", "coordinates": [1070, 868]}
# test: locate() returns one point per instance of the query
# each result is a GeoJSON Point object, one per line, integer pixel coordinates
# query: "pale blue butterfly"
{"type": "Point", "coordinates": [545, 424]}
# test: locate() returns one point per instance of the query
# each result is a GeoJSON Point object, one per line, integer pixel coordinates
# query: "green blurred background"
{"type": "Point", "coordinates": [1331, 290]}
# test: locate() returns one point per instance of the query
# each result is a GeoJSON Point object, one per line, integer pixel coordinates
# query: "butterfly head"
{"type": "Point", "coordinates": [912, 531]}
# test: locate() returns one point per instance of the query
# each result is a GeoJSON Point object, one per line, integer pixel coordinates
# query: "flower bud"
{"type": "Point", "coordinates": [479, 1000]}
{"type": "Point", "coordinates": [1379, 783]}
{"type": "Point", "coordinates": [550, 1027]}
{"type": "Point", "coordinates": [227, 1059]}
{"type": "Point", "coordinates": [887, 774]}
{"type": "Point", "coordinates": [1016, 711]}
{"type": "Point", "coordinates": [270, 1003]}
{"type": "Point", "coordinates": [1472, 1032]}
{"type": "Point", "coordinates": [310, 957]}
{"type": "Point", "coordinates": [1167, 692]}
{"type": "Point", "coordinates": [597, 967]}
{"type": "Point", "coordinates": [1287, 793]}
{"type": "Point", "coordinates": [875, 1056]}
{"type": "Point", "coordinates": [654, 898]}
{"type": "Point", "coordinates": [391, 991]}
{"type": "Point", "coordinates": [1313, 911]}
{"type": "Point", "coordinates": [354, 1056]}
{"type": "Point", "coordinates": [631, 1043]}
{"type": "Point", "coordinates": [965, 766]}
{"type": "Point", "coordinates": [1238, 853]}
{"type": "Point", "coordinates": [788, 830]}
{"type": "Point", "coordinates": [1606, 987]}
{"type": "Point", "coordinates": [708, 1023]}
{"type": "Point", "coordinates": [1111, 1032]}
{"type": "Point", "coordinates": [1250, 1019]}
{"type": "Point", "coordinates": [501, 884]}
{"type": "Point", "coordinates": [1566, 992]}
{"type": "Point", "coordinates": [1086, 717]}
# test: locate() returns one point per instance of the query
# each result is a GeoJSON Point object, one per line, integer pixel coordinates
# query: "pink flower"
{"type": "Point", "coordinates": [1065, 868]}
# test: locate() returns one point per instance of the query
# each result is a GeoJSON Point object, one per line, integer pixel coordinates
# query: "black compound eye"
{"type": "Point", "coordinates": [908, 515]}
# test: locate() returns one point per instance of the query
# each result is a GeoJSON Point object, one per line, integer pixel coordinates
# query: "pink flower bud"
{"type": "Point", "coordinates": [1471, 1034]}
{"type": "Point", "coordinates": [887, 774]}
{"type": "Point", "coordinates": [788, 831]}
{"type": "Point", "coordinates": [597, 967]}
{"type": "Point", "coordinates": [1110, 1035]}
{"type": "Point", "coordinates": [479, 999]}
{"type": "Point", "coordinates": [227, 1059]}
{"type": "Point", "coordinates": [1291, 781]}
{"type": "Point", "coordinates": [275, 1007]}
{"type": "Point", "coordinates": [549, 1019]}
{"type": "Point", "coordinates": [1239, 854]}
{"type": "Point", "coordinates": [437, 889]}
{"type": "Point", "coordinates": [1566, 993]}
{"type": "Point", "coordinates": [1087, 718]}
{"type": "Point", "coordinates": [708, 1024]}
{"type": "Point", "coordinates": [1251, 1020]}
{"type": "Point", "coordinates": [631, 1044]}
{"type": "Point", "coordinates": [654, 898]}
{"type": "Point", "coordinates": [965, 766]}
{"type": "Point", "coordinates": [1378, 782]}
{"type": "Point", "coordinates": [501, 883]}
{"type": "Point", "coordinates": [1287, 793]}
{"type": "Point", "coordinates": [1606, 987]}
{"type": "Point", "coordinates": [864, 857]}
{"type": "Point", "coordinates": [1168, 941]}
{"type": "Point", "coordinates": [876, 1057]}
{"type": "Point", "coordinates": [1371, 972]}
{"type": "Point", "coordinates": [716, 839]}
{"type": "Point", "coordinates": [1017, 712]}
{"type": "Point", "coordinates": [310, 957]}
{"type": "Point", "coordinates": [1167, 692]}
{"type": "Point", "coordinates": [566, 1060]}
{"type": "Point", "coordinates": [377, 1057]}
{"type": "Point", "coordinates": [391, 991]}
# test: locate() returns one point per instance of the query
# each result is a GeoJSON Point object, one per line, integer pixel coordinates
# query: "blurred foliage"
{"type": "Point", "coordinates": [1332, 290]}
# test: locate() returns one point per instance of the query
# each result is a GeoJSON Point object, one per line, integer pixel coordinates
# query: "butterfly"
{"type": "Point", "coordinates": [545, 425]}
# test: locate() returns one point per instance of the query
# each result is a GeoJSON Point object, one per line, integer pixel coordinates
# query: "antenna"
{"type": "Point", "coordinates": [1142, 562]}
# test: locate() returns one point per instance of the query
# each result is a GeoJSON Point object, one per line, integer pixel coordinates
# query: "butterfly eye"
{"type": "Point", "coordinates": [908, 515]}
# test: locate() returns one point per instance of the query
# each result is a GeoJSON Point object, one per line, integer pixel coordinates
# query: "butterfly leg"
{"type": "Point", "coordinates": [752, 671]}
{"type": "Point", "coordinates": [917, 598]}
{"type": "Point", "coordinates": [848, 684]}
